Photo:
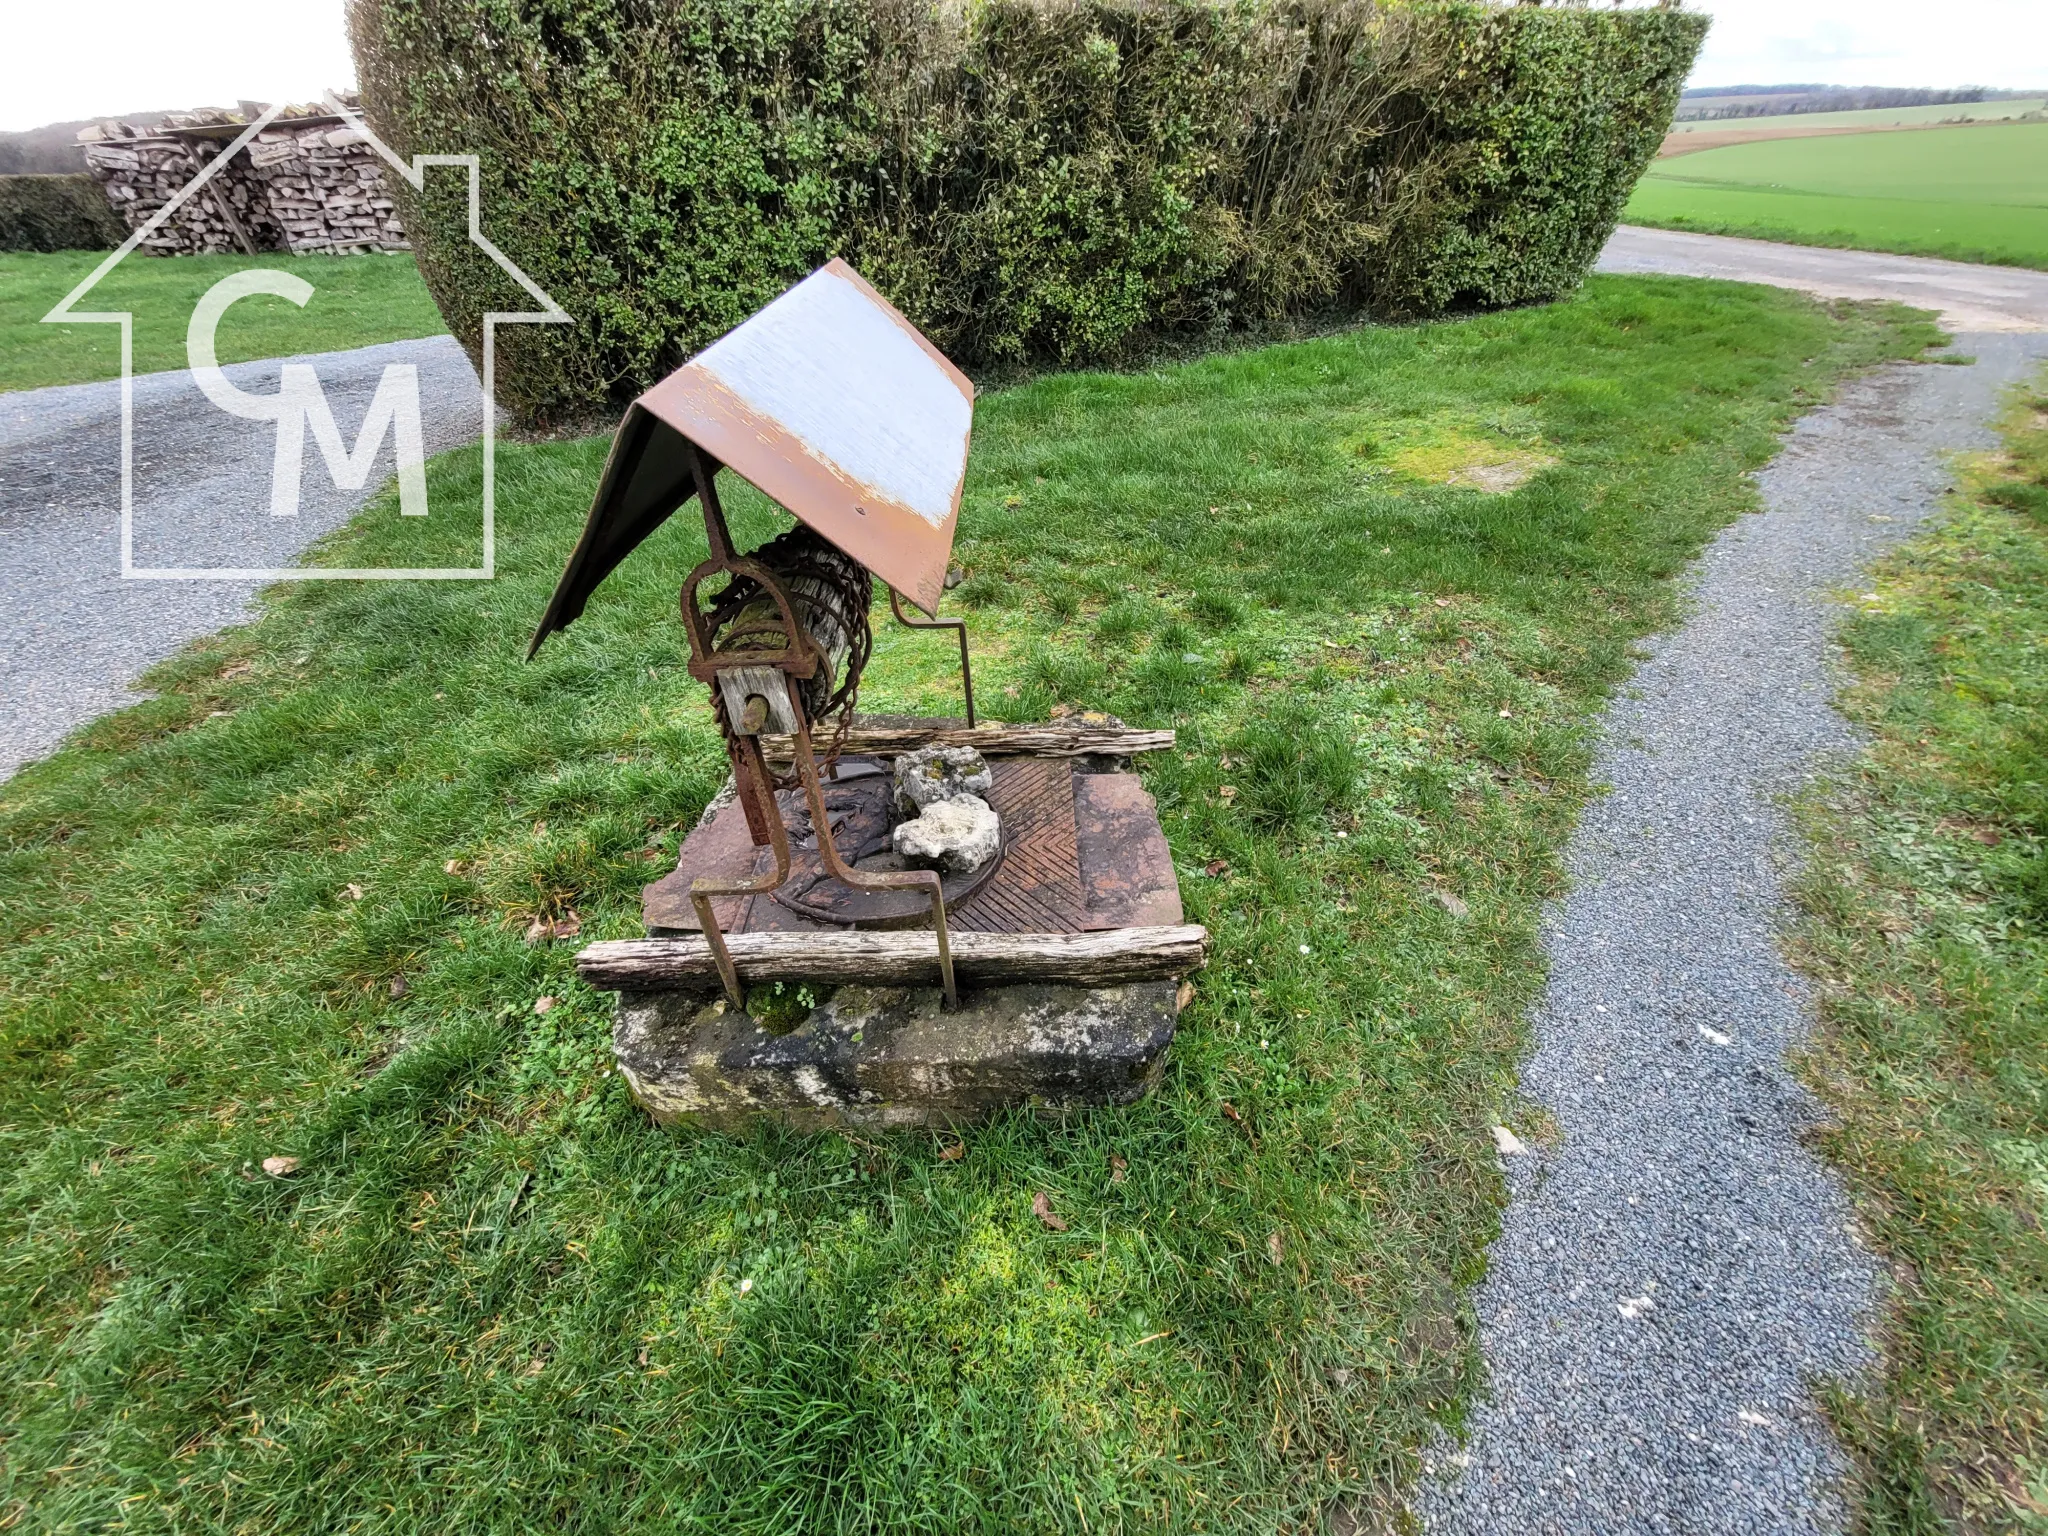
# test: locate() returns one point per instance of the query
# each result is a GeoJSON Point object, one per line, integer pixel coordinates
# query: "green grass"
{"type": "Point", "coordinates": [357, 302]}
{"type": "Point", "coordinates": [1971, 194]}
{"type": "Point", "coordinates": [1928, 895]}
{"type": "Point", "coordinates": [277, 911]}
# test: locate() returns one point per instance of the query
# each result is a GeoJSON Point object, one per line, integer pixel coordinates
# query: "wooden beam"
{"type": "Point", "coordinates": [896, 958]}
{"type": "Point", "coordinates": [989, 740]}
{"type": "Point", "coordinates": [222, 201]}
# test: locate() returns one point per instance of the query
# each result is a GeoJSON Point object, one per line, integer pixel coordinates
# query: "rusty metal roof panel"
{"type": "Point", "coordinates": [831, 403]}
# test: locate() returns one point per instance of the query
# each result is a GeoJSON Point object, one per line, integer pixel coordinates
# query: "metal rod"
{"type": "Point", "coordinates": [966, 672]}
{"type": "Point", "coordinates": [704, 470]}
{"type": "Point", "coordinates": [807, 770]}
{"type": "Point", "coordinates": [704, 887]}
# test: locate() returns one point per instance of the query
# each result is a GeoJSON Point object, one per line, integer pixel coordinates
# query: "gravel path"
{"type": "Point", "coordinates": [1968, 297]}
{"type": "Point", "coordinates": [73, 635]}
{"type": "Point", "coordinates": [1674, 1275]}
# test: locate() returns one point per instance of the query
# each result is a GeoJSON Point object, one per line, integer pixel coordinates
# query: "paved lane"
{"type": "Point", "coordinates": [73, 635]}
{"type": "Point", "coordinates": [1968, 297]}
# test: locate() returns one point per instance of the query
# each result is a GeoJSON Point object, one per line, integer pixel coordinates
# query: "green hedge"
{"type": "Point", "coordinates": [1026, 179]}
{"type": "Point", "coordinates": [56, 213]}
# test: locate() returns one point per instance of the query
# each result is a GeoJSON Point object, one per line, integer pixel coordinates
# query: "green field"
{"type": "Point", "coordinates": [1972, 194]}
{"type": "Point", "coordinates": [1873, 117]}
{"type": "Point", "coordinates": [278, 910]}
{"type": "Point", "coordinates": [357, 301]}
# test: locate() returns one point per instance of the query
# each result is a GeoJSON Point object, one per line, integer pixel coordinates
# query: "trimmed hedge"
{"type": "Point", "coordinates": [1026, 179]}
{"type": "Point", "coordinates": [56, 213]}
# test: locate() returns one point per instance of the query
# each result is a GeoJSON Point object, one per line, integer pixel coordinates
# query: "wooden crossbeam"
{"type": "Point", "coordinates": [990, 740]}
{"type": "Point", "coordinates": [895, 958]}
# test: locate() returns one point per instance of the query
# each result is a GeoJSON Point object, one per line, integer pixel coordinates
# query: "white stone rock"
{"type": "Point", "coordinates": [932, 774]}
{"type": "Point", "coordinates": [956, 836]}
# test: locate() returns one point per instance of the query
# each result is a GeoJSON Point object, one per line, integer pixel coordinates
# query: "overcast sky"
{"type": "Point", "coordinates": [1876, 42]}
{"type": "Point", "coordinates": [60, 61]}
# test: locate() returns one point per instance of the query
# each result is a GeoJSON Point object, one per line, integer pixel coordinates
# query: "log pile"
{"type": "Point", "coordinates": [308, 184]}
{"type": "Point", "coordinates": [326, 188]}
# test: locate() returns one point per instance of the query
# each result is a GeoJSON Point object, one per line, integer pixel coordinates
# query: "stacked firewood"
{"type": "Point", "coordinates": [326, 188]}
{"type": "Point", "coordinates": [142, 171]}
{"type": "Point", "coordinates": [309, 183]}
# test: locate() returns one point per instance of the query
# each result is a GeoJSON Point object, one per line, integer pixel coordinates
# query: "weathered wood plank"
{"type": "Point", "coordinates": [1107, 958]}
{"type": "Point", "coordinates": [989, 740]}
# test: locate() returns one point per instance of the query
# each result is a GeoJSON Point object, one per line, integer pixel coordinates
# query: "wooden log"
{"type": "Point", "coordinates": [1055, 740]}
{"type": "Point", "coordinates": [896, 958]}
{"type": "Point", "coordinates": [217, 189]}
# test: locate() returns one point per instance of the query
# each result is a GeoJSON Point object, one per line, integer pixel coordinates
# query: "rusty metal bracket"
{"type": "Point", "coordinates": [705, 887]}
{"type": "Point", "coordinates": [966, 672]}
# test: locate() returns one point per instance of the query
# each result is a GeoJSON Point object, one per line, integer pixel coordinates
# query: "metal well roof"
{"type": "Point", "coordinates": [831, 403]}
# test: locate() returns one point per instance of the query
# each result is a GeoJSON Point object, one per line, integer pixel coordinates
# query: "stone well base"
{"type": "Point", "coordinates": [893, 1057]}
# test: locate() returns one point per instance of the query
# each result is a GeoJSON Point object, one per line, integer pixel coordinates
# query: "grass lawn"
{"type": "Point", "coordinates": [277, 911]}
{"type": "Point", "coordinates": [1972, 194]}
{"type": "Point", "coordinates": [357, 301]}
{"type": "Point", "coordinates": [1929, 933]}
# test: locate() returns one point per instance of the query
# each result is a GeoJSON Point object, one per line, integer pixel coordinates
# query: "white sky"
{"type": "Point", "coordinates": [2000, 43]}
{"type": "Point", "coordinates": [61, 61]}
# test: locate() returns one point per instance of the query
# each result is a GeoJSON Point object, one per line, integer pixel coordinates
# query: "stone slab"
{"type": "Point", "coordinates": [893, 1057]}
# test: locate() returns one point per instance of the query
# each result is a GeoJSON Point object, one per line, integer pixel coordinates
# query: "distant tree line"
{"type": "Point", "coordinates": [1707, 103]}
{"type": "Point", "coordinates": [53, 149]}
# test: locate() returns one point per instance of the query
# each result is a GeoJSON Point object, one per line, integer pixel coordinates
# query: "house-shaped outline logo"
{"type": "Point", "coordinates": [550, 313]}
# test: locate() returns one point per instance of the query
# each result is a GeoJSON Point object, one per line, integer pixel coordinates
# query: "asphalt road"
{"type": "Point", "coordinates": [73, 634]}
{"type": "Point", "coordinates": [1967, 297]}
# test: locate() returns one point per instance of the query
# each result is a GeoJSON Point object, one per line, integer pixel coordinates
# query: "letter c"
{"type": "Point", "coordinates": [199, 345]}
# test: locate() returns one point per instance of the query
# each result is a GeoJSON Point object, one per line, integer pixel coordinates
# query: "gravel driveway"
{"type": "Point", "coordinates": [73, 634]}
{"type": "Point", "coordinates": [1676, 1273]}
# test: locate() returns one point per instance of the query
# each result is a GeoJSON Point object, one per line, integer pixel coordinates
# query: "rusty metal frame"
{"type": "Point", "coordinates": [966, 671]}
{"type": "Point", "coordinates": [821, 822]}
{"type": "Point", "coordinates": [797, 660]}
{"type": "Point", "coordinates": [751, 771]}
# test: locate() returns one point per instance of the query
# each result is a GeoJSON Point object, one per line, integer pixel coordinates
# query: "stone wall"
{"type": "Point", "coordinates": [309, 184]}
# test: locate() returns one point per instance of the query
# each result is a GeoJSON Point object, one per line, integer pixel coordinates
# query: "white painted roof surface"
{"type": "Point", "coordinates": [854, 386]}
